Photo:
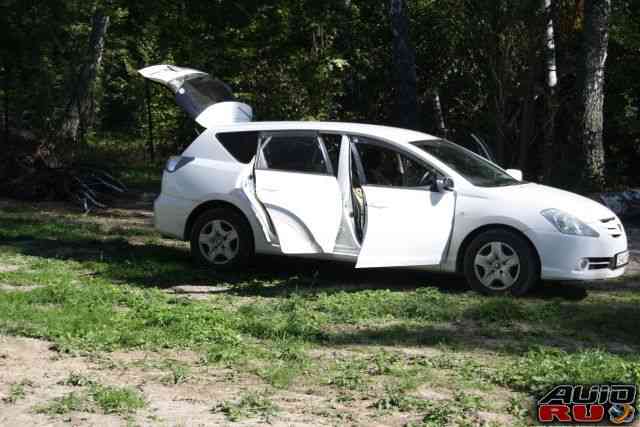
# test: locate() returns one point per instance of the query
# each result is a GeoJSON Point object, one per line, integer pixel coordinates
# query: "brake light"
{"type": "Point", "coordinates": [176, 162]}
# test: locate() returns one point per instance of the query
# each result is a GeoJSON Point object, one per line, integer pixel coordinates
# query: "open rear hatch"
{"type": "Point", "coordinates": [207, 100]}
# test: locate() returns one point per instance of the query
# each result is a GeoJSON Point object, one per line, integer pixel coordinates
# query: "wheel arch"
{"type": "Point", "coordinates": [469, 238]}
{"type": "Point", "coordinates": [215, 204]}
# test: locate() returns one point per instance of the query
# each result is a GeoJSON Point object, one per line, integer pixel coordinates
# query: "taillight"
{"type": "Point", "coordinates": [176, 162]}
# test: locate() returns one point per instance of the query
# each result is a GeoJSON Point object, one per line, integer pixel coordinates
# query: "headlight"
{"type": "Point", "coordinates": [568, 224]}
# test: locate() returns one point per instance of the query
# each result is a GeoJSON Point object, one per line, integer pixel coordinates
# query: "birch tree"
{"type": "Point", "coordinates": [551, 98]}
{"type": "Point", "coordinates": [594, 58]}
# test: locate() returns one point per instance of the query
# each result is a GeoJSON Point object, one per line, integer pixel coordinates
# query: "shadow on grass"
{"type": "Point", "coordinates": [556, 314]}
{"type": "Point", "coordinates": [163, 266]}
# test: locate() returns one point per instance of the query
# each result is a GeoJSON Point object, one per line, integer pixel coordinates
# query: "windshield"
{"type": "Point", "coordinates": [473, 167]}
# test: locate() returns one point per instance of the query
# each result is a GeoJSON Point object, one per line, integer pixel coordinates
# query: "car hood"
{"type": "Point", "coordinates": [542, 197]}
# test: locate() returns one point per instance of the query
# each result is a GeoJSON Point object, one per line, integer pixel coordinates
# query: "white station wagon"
{"type": "Point", "coordinates": [372, 195]}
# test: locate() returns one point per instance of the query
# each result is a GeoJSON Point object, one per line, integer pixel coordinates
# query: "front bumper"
{"type": "Point", "coordinates": [561, 256]}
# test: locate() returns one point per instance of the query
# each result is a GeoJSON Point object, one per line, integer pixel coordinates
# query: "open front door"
{"type": "Point", "coordinates": [295, 182]}
{"type": "Point", "coordinates": [407, 224]}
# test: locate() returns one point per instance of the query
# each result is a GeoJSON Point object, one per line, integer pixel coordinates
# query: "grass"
{"type": "Point", "coordinates": [70, 402]}
{"type": "Point", "coordinates": [117, 400]}
{"type": "Point", "coordinates": [102, 286]}
{"type": "Point", "coordinates": [96, 397]}
{"type": "Point", "coordinates": [17, 391]}
{"type": "Point", "coordinates": [248, 406]}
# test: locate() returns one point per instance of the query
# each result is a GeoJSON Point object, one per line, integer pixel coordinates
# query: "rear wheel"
{"type": "Point", "coordinates": [222, 239]}
{"type": "Point", "coordinates": [499, 262]}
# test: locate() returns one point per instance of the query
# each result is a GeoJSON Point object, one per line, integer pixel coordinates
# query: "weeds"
{"type": "Point", "coordinates": [17, 391]}
{"type": "Point", "coordinates": [71, 402]}
{"type": "Point", "coordinates": [178, 375]}
{"type": "Point", "coordinates": [76, 380]}
{"type": "Point", "coordinates": [396, 400]}
{"type": "Point", "coordinates": [544, 367]}
{"type": "Point", "coordinates": [117, 400]}
{"type": "Point", "coordinates": [107, 399]}
{"type": "Point", "coordinates": [349, 374]}
{"type": "Point", "coordinates": [249, 405]}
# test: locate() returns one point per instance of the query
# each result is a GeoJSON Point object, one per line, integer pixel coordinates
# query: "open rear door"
{"type": "Point", "coordinates": [207, 100]}
{"type": "Point", "coordinates": [295, 184]}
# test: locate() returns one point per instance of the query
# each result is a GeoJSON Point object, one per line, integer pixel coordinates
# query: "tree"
{"type": "Point", "coordinates": [551, 98]}
{"type": "Point", "coordinates": [81, 100]}
{"type": "Point", "coordinates": [594, 57]}
{"type": "Point", "coordinates": [404, 63]}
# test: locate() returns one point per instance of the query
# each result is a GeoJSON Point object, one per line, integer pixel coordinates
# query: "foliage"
{"type": "Point", "coordinates": [301, 60]}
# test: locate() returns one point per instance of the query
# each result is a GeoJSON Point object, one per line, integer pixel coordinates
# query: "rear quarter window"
{"type": "Point", "coordinates": [241, 145]}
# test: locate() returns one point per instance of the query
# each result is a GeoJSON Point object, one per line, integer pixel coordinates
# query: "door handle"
{"type": "Point", "coordinates": [270, 190]}
{"type": "Point", "coordinates": [377, 206]}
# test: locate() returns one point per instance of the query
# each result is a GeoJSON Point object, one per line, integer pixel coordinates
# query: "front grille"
{"type": "Point", "coordinates": [600, 263]}
{"type": "Point", "coordinates": [614, 226]}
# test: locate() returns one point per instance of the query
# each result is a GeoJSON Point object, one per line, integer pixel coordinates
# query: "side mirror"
{"type": "Point", "coordinates": [443, 184]}
{"type": "Point", "coordinates": [515, 174]}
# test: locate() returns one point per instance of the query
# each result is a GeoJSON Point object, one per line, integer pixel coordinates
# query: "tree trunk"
{"type": "Point", "coordinates": [6, 106]}
{"type": "Point", "coordinates": [405, 65]}
{"type": "Point", "coordinates": [439, 114]}
{"type": "Point", "coordinates": [594, 57]}
{"type": "Point", "coordinates": [551, 98]}
{"type": "Point", "coordinates": [527, 126]}
{"type": "Point", "coordinates": [150, 146]}
{"type": "Point", "coordinates": [80, 102]}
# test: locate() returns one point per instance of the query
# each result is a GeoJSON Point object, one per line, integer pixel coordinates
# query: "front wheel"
{"type": "Point", "coordinates": [222, 239]}
{"type": "Point", "coordinates": [499, 262]}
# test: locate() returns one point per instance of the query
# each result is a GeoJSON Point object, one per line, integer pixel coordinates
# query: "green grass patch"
{"type": "Point", "coordinates": [117, 400]}
{"type": "Point", "coordinates": [542, 368]}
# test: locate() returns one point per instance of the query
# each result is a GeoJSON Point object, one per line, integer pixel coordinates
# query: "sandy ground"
{"type": "Point", "coordinates": [36, 363]}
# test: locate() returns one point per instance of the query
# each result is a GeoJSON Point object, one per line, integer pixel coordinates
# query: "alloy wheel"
{"type": "Point", "coordinates": [497, 266]}
{"type": "Point", "coordinates": [219, 242]}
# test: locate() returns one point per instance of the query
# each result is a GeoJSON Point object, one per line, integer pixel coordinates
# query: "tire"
{"type": "Point", "coordinates": [227, 240]}
{"type": "Point", "coordinates": [501, 262]}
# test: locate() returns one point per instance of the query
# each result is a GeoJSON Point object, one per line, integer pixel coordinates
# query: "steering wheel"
{"type": "Point", "coordinates": [425, 179]}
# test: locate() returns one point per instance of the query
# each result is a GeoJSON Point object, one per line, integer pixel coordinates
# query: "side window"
{"type": "Point", "coordinates": [387, 167]}
{"type": "Point", "coordinates": [241, 145]}
{"type": "Point", "coordinates": [416, 174]}
{"type": "Point", "coordinates": [295, 154]}
{"type": "Point", "coordinates": [332, 144]}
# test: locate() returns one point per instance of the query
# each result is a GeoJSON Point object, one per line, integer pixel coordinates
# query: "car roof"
{"type": "Point", "coordinates": [392, 134]}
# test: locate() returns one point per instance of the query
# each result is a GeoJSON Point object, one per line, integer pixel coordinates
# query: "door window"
{"type": "Point", "coordinates": [332, 145]}
{"type": "Point", "coordinates": [386, 167]}
{"type": "Point", "coordinates": [294, 154]}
